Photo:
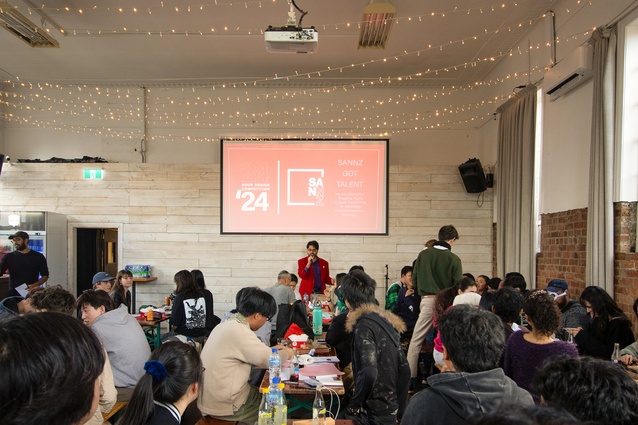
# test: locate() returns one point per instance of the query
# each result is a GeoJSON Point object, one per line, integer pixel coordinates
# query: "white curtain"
{"type": "Point", "coordinates": [516, 219]}
{"type": "Point", "coordinates": [600, 209]}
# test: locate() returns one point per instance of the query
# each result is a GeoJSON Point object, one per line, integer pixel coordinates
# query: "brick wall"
{"type": "Point", "coordinates": [563, 253]}
{"type": "Point", "coordinates": [563, 245]}
{"type": "Point", "coordinates": [626, 258]}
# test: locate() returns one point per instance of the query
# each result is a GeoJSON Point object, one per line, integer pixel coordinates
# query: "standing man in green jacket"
{"type": "Point", "coordinates": [435, 268]}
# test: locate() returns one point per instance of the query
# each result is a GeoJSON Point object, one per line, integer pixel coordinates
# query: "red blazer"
{"type": "Point", "coordinates": [307, 284]}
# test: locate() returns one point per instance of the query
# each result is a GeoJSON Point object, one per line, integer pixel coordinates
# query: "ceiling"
{"type": "Point", "coordinates": [209, 42]}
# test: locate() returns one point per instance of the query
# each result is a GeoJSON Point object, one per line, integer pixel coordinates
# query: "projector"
{"type": "Point", "coordinates": [291, 39]}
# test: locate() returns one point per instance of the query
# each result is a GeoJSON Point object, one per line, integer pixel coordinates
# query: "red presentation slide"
{"type": "Point", "coordinates": [304, 186]}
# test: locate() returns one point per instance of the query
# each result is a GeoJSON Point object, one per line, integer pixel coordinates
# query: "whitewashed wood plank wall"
{"type": "Point", "coordinates": [169, 216]}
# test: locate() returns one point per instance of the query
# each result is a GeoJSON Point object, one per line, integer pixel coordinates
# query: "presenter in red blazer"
{"type": "Point", "coordinates": [311, 268]}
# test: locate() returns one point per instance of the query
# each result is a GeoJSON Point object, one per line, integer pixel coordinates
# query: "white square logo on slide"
{"type": "Point", "coordinates": [305, 186]}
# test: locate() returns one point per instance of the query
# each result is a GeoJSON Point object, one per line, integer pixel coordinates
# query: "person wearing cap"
{"type": "Point", "coordinates": [573, 314]}
{"type": "Point", "coordinates": [103, 281]}
{"type": "Point", "coordinates": [24, 265]}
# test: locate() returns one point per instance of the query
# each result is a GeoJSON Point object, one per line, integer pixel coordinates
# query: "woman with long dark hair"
{"type": "Point", "coordinates": [201, 282]}
{"type": "Point", "coordinates": [170, 384]}
{"type": "Point", "coordinates": [121, 293]}
{"type": "Point", "coordinates": [192, 313]}
{"type": "Point", "coordinates": [608, 326]}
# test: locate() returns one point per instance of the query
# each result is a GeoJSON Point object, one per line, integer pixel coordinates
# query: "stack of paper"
{"type": "Point", "coordinates": [326, 373]}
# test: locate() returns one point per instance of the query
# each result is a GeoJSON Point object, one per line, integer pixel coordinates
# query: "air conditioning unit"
{"type": "Point", "coordinates": [569, 73]}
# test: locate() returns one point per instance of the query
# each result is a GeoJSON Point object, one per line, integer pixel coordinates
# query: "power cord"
{"type": "Point", "coordinates": [303, 13]}
{"type": "Point", "coordinates": [333, 392]}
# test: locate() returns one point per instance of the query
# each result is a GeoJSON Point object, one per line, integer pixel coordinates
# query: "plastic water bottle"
{"type": "Point", "coordinates": [274, 365]}
{"type": "Point", "coordinates": [265, 409]}
{"type": "Point", "coordinates": [317, 324]}
{"type": "Point", "coordinates": [294, 367]}
{"type": "Point", "coordinates": [615, 356]}
{"type": "Point", "coordinates": [318, 409]}
{"type": "Point", "coordinates": [280, 416]}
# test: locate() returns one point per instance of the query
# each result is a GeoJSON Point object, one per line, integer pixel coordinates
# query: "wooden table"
{"type": "Point", "coordinates": [296, 393]}
{"type": "Point", "coordinates": [152, 330]}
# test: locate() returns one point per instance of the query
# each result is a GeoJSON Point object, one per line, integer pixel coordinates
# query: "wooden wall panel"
{"type": "Point", "coordinates": [170, 219]}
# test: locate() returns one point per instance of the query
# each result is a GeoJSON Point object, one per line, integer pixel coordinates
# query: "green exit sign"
{"type": "Point", "coordinates": [93, 174]}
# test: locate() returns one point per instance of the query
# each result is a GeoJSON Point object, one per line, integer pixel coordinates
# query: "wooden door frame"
{"type": "Point", "coordinates": [72, 284]}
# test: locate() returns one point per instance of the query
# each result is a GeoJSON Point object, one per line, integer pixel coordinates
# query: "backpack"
{"type": "Point", "coordinates": [288, 314]}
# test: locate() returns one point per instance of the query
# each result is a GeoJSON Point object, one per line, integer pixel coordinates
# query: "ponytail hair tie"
{"type": "Point", "coordinates": [157, 370]}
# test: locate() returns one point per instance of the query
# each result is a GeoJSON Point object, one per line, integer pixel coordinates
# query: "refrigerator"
{"type": "Point", "coordinates": [47, 235]}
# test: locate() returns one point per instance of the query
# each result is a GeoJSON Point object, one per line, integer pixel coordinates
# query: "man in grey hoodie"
{"type": "Point", "coordinates": [472, 383]}
{"type": "Point", "coordinates": [122, 337]}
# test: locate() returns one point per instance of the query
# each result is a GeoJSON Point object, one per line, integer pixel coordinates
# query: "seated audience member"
{"type": "Point", "coordinates": [487, 300]}
{"type": "Point", "coordinates": [508, 304]}
{"type": "Point", "coordinates": [262, 333]}
{"type": "Point", "coordinates": [102, 281]}
{"type": "Point", "coordinates": [533, 415]}
{"type": "Point", "coordinates": [50, 365]}
{"type": "Point", "coordinates": [53, 298]}
{"type": "Point", "coordinates": [228, 354]}
{"type": "Point", "coordinates": [630, 353]}
{"type": "Point", "coordinates": [170, 384]}
{"type": "Point", "coordinates": [392, 294]}
{"type": "Point", "coordinates": [192, 312]}
{"type": "Point", "coordinates": [445, 299]}
{"type": "Point", "coordinates": [527, 351]}
{"type": "Point", "coordinates": [493, 284]}
{"type": "Point", "coordinates": [380, 369]}
{"type": "Point", "coordinates": [470, 276]}
{"type": "Point", "coordinates": [14, 306]}
{"type": "Point", "coordinates": [336, 296]}
{"type": "Point", "coordinates": [515, 280]}
{"type": "Point", "coordinates": [473, 384]}
{"type": "Point", "coordinates": [341, 340]}
{"type": "Point", "coordinates": [121, 292]}
{"type": "Point", "coordinates": [294, 281]}
{"type": "Point", "coordinates": [201, 284]}
{"type": "Point", "coordinates": [590, 389]}
{"type": "Point", "coordinates": [59, 300]}
{"type": "Point", "coordinates": [609, 325]}
{"type": "Point", "coordinates": [407, 305]}
{"type": "Point", "coordinates": [122, 337]}
{"type": "Point", "coordinates": [282, 293]}
{"type": "Point", "coordinates": [481, 284]}
{"type": "Point", "coordinates": [573, 314]}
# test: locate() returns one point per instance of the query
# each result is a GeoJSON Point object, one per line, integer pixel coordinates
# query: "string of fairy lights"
{"type": "Point", "coordinates": [117, 111]}
{"type": "Point", "coordinates": [168, 7]}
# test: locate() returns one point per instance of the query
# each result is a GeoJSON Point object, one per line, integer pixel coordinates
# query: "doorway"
{"type": "Point", "coordinates": [96, 250]}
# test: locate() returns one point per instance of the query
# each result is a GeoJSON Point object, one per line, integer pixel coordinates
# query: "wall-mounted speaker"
{"type": "Point", "coordinates": [473, 176]}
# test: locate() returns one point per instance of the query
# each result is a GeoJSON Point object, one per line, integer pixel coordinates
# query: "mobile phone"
{"type": "Point", "coordinates": [311, 382]}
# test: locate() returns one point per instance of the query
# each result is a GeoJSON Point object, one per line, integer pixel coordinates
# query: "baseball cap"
{"type": "Point", "coordinates": [556, 285]}
{"type": "Point", "coordinates": [20, 234]}
{"type": "Point", "coordinates": [102, 277]}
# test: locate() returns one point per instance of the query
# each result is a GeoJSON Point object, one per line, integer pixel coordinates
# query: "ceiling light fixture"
{"type": "Point", "coordinates": [20, 26]}
{"type": "Point", "coordinates": [378, 17]}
